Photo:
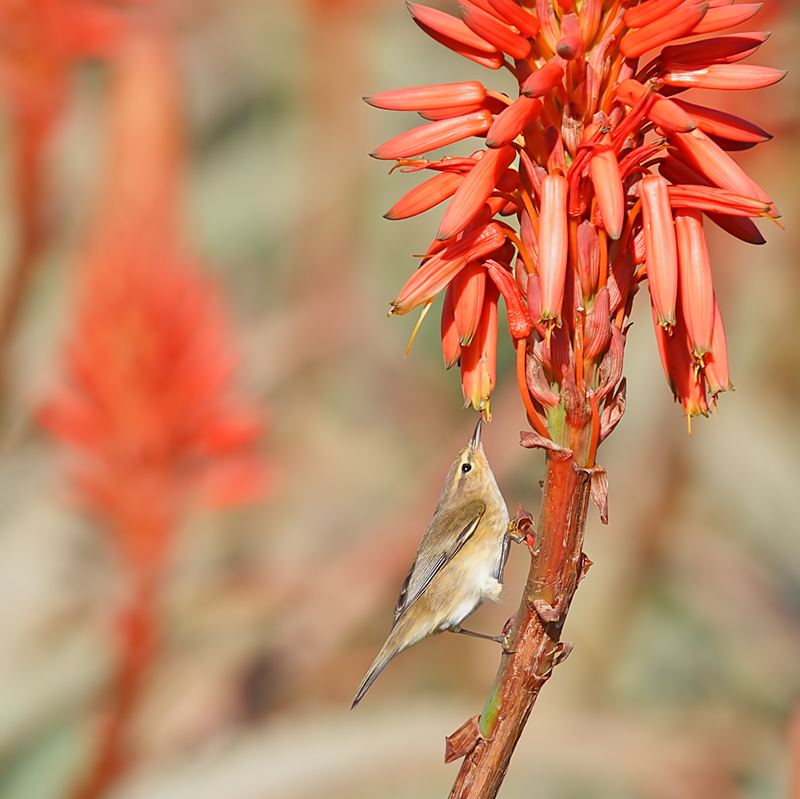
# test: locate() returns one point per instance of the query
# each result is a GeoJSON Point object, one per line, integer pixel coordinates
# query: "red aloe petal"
{"type": "Point", "coordinates": [520, 18]}
{"type": "Point", "coordinates": [490, 60]}
{"type": "Point", "coordinates": [479, 360]}
{"type": "Point", "coordinates": [734, 46]}
{"type": "Point", "coordinates": [449, 26]}
{"type": "Point", "coordinates": [696, 286]}
{"type": "Point", "coordinates": [553, 245]}
{"type": "Point", "coordinates": [724, 76]}
{"type": "Point", "coordinates": [425, 196]}
{"type": "Point", "coordinates": [717, 19]}
{"type": "Point", "coordinates": [609, 191]}
{"type": "Point", "coordinates": [418, 98]}
{"type": "Point", "coordinates": [716, 361]}
{"type": "Point", "coordinates": [480, 5]}
{"type": "Point", "coordinates": [662, 30]}
{"type": "Point", "coordinates": [451, 346]}
{"type": "Point", "coordinates": [664, 112]}
{"type": "Point", "coordinates": [467, 290]}
{"type": "Point", "coordinates": [519, 320]}
{"type": "Point", "coordinates": [649, 11]}
{"type": "Point", "coordinates": [662, 248]}
{"type": "Point", "coordinates": [679, 368]}
{"type": "Point", "coordinates": [474, 191]}
{"type": "Point", "coordinates": [710, 198]}
{"type": "Point", "coordinates": [711, 161]}
{"type": "Point", "coordinates": [543, 80]}
{"type": "Point", "coordinates": [743, 229]}
{"type": "Point", "coordinates": [720, 123]}
{"type": "Point", "coordinates": [434, 135]}
{"type": "Point", "coordinates": [439, 270]}
{"type": "Point", "coordinates": [511, 122]}
{"type": "Point", "coordinates": [492, 30]}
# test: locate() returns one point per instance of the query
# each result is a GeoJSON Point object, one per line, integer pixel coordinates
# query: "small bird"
{"type": "Point", "coordinates": [459, 562]}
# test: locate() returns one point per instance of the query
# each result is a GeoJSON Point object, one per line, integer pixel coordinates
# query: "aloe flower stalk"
{"type": "Point", "coordinates": [146, 407]}
{"type": "Point", "coordinates": [592, 175]}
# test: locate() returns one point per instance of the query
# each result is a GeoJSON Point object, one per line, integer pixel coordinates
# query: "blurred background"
{"type": "Point", "coordinates": [269, 605]}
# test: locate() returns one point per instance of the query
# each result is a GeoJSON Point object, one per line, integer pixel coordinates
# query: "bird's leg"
{"type": "Point", "coordinates": [512, 534]}
{"type": "Point", "coordinates": [500, 639]}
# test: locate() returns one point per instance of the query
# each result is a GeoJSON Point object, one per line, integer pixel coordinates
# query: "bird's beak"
{"type": "Point", "coordinates": [475, 441]}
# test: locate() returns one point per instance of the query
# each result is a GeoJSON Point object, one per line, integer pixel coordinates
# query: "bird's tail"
{"type": "Point", "coordinates": [391, 648]}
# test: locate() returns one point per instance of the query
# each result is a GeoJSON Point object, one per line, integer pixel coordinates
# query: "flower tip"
{"type": "Point", "coordinates": [444, 235]}
{"type": "Point", "coordinates": [667, 322]}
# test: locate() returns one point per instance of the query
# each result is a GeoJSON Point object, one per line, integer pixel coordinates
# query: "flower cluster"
{"type": "Point", "coordinates": [609, 176]}
{"type": "Point", "coordinates": [148, 406]}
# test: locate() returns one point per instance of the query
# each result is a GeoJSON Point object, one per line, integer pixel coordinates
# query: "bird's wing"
{"type": "Point", "coordinates": [426, 566]}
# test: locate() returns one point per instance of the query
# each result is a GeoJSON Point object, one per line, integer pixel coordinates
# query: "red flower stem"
{"type": "Point", "coordinates": [138, 648]}
{"type": "Point", "coordinates": [534, 646]}
{"type": "Point", "coordinates": [503, 98]}
{"type": "Point", "coordinates": [602, 278]}
{"type": "Point", "coordinates": [526, 258]}
{"type": "Point", "coordinates": [528, 203]}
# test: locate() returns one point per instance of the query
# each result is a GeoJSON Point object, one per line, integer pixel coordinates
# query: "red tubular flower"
{"type": "Point", "coordinates": [606, 152]}
{"type": "Point", "coordinates": [721, 17]}
{"type": "Point", "coordinates": [724, 76]}
{"type": "Point", "coordinates": [688, 386]}
{"type": "Point", "coordinates": [488, 27]}
{"type": "Point", "coordinates": [434, 135]}
{"type": "Point", "coordinates": [466, 291]}
{"type": "Point", "coordinates": [479, 359]}
{"type": "Point", "coordinates": [662, 248]}
{"type": "Point", "coordinates": [474, 191]}
{"type": "Point", "coordinates": [665, 113]}
{"type": "Point", "coordinates": [520, 18]}
{"type": "Point", "coordinates": [696, 288]}
{"type": "Point", "coordinates": [451, 346]}
{"type": "Point", "coordinates": [608, 189]}
{"type": "Point", "coordinates": [722, 49]}
{"type": "Point", "coordinates": [716, 361]}
{"type": "Point", "coordinates": [420, 98]}
{"type": "Point", "coordinates": [455, 35]}
{"type": "Point", "coordinates": [710, 160]}
{"type": "Point", "coordinates": [663, 30]}
{"type": "Point", "coordinates": [439, 270]}
{"type": "Point", "coordinates": [553, 245]}
{"type": "Point", "coordinates": [519, 320]}
{"type": "Point", "coordinates": [512, 121]}
{"type": "Point", "coordinates": [425, 196]}
{"type": "Point", "coordinates": [719, 123]}
{"type": "Point", "coordinates": [543, 80]}
{"type": "Point", "coordinates": [648, 12]}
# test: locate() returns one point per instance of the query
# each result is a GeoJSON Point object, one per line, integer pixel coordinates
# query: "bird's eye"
{"type": "Point", "coordinates": [467, 467]}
